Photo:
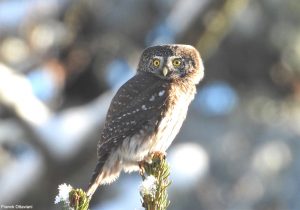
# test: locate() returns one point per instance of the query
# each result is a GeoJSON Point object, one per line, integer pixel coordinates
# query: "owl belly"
{"type": "Point", "coordinates": [170, 125]}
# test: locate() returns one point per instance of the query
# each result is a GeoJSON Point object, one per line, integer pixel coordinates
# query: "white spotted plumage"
{"type": "Point", "coordinates": [161, 93]}
{"type": "Point", "coordinates": [152, 98]}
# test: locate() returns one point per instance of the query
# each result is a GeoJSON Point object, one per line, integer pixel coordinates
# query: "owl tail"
{"type": "Point", "coordinates": [96, 179]}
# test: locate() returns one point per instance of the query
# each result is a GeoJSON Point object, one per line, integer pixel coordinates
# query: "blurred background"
{"type": "Point", "coordinates": [61, 62]}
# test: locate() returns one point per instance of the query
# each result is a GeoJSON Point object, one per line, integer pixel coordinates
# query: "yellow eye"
{"type": "Point", "coordinates": [176, 62]}
{"type": "Point", "coordinates": [156, 62]}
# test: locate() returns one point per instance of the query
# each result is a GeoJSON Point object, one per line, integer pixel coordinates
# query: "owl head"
{"type": "Point", "coordinates": [173, 62]}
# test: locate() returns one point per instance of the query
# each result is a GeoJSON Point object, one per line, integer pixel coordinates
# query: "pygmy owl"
{"type": "Point", "coordinates": [147, 112]}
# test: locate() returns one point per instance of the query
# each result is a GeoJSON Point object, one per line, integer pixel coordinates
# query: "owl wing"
{"type": "Point", "coordinates": [138, 103]}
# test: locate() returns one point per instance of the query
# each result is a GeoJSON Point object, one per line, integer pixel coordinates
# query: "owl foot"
{"type": "Point", "coordinates": [159, 154]}
{"type": "Point", "coordinates": [154, 155]}
{"type": "Point", "coordinates": [149, 159]}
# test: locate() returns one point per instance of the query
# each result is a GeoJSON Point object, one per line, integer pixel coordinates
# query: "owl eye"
{"type": "Point", "coordinates": [176, 62]}
{"type": "Point", "coordinates": [156, 62]}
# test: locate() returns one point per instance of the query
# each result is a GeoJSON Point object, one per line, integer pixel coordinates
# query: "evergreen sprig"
{"type": "Point", "coordinates": [79, 200]}
{"type": "Point", "coordinates": [71, 199]}
{"type": "Point", "coordinates": [159, 169]}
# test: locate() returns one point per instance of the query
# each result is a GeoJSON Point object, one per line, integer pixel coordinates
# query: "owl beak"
{"type": "Point", "coordinates": [165, 71]}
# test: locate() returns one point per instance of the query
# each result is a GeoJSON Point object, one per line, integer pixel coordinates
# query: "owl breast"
{"type": "Point", "coordinates": [173, 118]}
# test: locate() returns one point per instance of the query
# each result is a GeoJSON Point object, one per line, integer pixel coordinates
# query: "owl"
{"type": "Point", "coordinates": [147, 112]}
